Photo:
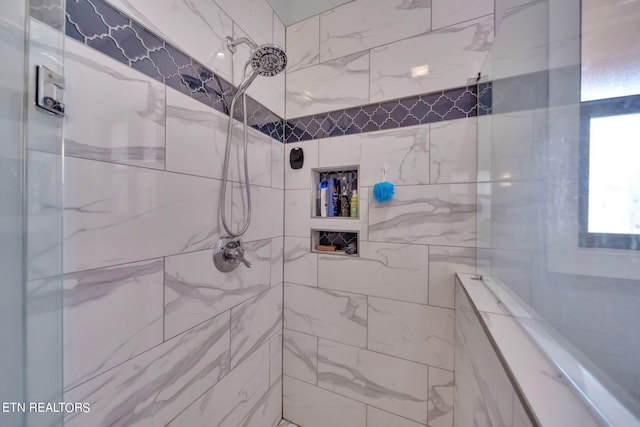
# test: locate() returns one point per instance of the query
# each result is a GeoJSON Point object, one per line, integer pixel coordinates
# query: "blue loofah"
{"type": "Point", "coordinates": [383, 191]}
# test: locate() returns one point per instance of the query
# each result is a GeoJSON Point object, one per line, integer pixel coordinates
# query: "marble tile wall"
{"type": "Point", "coordinates": [484, 394]}
{"type": "Point", "coordinates": [368, 51]}
{"type": "Point", "coordinates": [352, 321]}
{"type": "Point", "coordinates": [154, 334]}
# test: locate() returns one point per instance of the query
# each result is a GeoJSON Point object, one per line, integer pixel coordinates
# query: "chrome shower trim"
{"type": "Point", "coordinates": [232, 44]}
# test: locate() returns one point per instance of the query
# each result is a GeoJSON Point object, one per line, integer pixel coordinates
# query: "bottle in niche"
{"type": "Point", "coordinates": [354, 204]}
{"type": "Point", "coordinates": [323, 199]}
{"type": "Point", "coordinates": [344, 203]}
{"type": "Point", "coordinates": [333, 202]}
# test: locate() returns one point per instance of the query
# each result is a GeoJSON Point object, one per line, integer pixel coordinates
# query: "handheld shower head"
{"type": "Point", "coordinates": [268, 60]}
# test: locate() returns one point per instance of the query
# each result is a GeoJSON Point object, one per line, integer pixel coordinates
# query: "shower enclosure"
{"type": "Point", "coordinates": [30, 216]}
{"type": "Point", "coordinates": [558, 183]}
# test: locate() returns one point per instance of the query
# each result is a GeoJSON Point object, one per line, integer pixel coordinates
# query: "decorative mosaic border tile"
{"type": "Point", "coordinates": [104, 28]}
{"type": "Point", "coordinates": [532, 91]}
{"type": "Point", "coordinates": [420, 109]}
{"type": "Point", "coordinates": [50, 12]}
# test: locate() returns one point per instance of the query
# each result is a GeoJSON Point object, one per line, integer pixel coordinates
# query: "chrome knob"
{"type": "Point", "coordinates": [228, 254]}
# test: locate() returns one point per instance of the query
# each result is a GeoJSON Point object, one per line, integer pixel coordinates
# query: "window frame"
{"type": "Point", "coordinates": [588, 110]}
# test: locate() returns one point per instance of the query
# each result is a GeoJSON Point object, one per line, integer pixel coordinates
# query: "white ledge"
{"type": "Point", "coordinates": [553, 384]}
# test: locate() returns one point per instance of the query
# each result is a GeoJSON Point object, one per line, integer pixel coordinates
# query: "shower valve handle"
{"type": "Point", "coordinates": [237, 253]}
{"type": "Point", "coordinates": [243, 259]}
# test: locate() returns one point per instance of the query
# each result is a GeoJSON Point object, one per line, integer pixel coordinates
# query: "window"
{"type": "Point", "coordinates": [610, 173]}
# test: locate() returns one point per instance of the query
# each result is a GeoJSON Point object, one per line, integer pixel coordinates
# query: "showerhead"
{"type": "Point", "coordinates": [268, 60]}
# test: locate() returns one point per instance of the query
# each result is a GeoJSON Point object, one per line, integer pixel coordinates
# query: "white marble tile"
{"type": "Point", "coordinates": [363, 24]}
{"type": "Point", "coordinates": [155, 386]}
{"type": "Point", "coordinates": [45, 251]}
{"type": "Point", "coordinates": [526, 50]}
{"type": "Point", "coordinates": [196, 136]}
{"type": "Point", "coordinates": [131, 126]}
{"type": "Point", "coordinates": [135, 214]}
{"type": "Point", "coordinates": [94, 339]}
{"type": "Point", "coordinates": [277, 260]}
{"type": "Point", "coordinates": [195, 290]}
{"type": "Point", "coordinates": [267, 212]}
{"type": "Point", "coordinates": [332, 85]}
{"type": "Point", "coordinates": [300, 264]}
{"type": "Point", "coordinates": [301, 356]}
{"type": "Point", "coordinates": [300, 179]}
{"type": "Point", "coordinates": [277, 164]}
{"type": "Point", "coordinates": [231, 399]}
{"type": "Point", "coordinates": [463, 375]}
{"type": "Point", "coordinates": [421, 65]}
{"type": "Point", "coordinates": [453, 151]}
{"type": "Point", "coordinates": [303, 43]}
{"type": "Point", "coordinates": [268, 410]}
{"type": "Point", "coordinates": [203, 27]}
{"type": "Point", "coordinates": [515, 213]}
{"type": "Point", "coordinates": [412, 331]}
{"type": "Point", "coordinates": [254, 322]}
{"type": "Point", "coordinates": [440, 409]}
{"type": "Point", "coordinates": [310, 406]}
{"type": "Point", "coordinates": [517, 269]}
{"type": "Point", "coordinates": [444, 263]}
{"type": "Point", "coordinates": [269, 91]}
{"type": "Point", "coordinates": [430, 214]}
{"type": "Point", "coordinates": [392, 384]}
{"type": "Point", "coordinates": [449, 12]}
{"type": "Point", "coordinates": [275, 359]}
{"type": "Point", "coordinates": [520, 417]}
{"type": "Point", "coordinates": [382, 269]}
{"type": "Point", "coordinates": [486, 394]}
{"type": "Point", "coordinates": [406, 151]}
{"type": "Point", "coordinates": [379, 418]}
{"type": "Point", "coordinates": [483, 299]}
{"type": "Point", "coordinates": [297, 216]}
{"type": "Point", "coordinates": [255, 17]}
{"type": "Point", "coordinates": [507, 160]}
{"type": "Point", "coordinates": [259, 155]}
{"type": "Point", "coordinates": [549, 397]}
{"type": "Point", "coordinates": [328, 314]}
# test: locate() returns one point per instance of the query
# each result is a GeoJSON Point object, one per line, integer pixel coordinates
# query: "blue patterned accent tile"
{"type": "Point", "coordinates": [146, 66]}
{"type": "Point", "coordinates": [50, 12]}
{"type": "Point", "coordinates": [87, 21]}
{"type": "Point", "coordinates": [484, 98]}
{"type": "Point", "coordinates": [109, 47]}
{"type": "Point", "coordinates": [72, 31]}
{"type": "Point", "coordinates": [109, 15]}
{"type": "Point", "coordinates": [150, 41]}
{"type": "Point", "coordinates": [410, 111]}
{"type": "Point", "coordinates": [518, 93]}
{"type": "Point", "coordinates": [99, 25]}
{"type": "Point", "coordinates": [128, 41]}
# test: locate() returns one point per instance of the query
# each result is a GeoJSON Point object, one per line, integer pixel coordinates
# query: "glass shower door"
{"type": "Point", "coordinates": [31, 33]}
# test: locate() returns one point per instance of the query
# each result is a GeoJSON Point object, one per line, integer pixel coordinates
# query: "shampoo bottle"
{"type": "Point", "coordinates": [344, 198]}
{"type": "Point", "coordinates": [354, 204]}
{"type": "Point", "coordinates": [323, 198]}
